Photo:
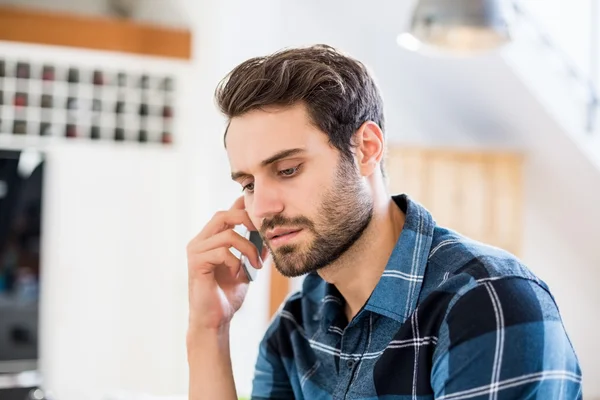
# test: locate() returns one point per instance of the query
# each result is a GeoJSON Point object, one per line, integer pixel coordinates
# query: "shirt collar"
{"type": "Point", "coordinates": [397, 292]}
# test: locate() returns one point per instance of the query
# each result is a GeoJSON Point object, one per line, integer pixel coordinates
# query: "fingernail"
{"type": "Point", "coordinates": [260, 262]}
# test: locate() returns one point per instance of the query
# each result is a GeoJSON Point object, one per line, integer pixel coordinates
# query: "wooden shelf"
{"type": "Point", "coordinates": [95, 33]}
{"type": "Point", "coordinates": [478, 193]}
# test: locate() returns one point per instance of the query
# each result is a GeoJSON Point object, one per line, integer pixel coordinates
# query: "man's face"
{"type": "Point", "coordinates": [309, 204]}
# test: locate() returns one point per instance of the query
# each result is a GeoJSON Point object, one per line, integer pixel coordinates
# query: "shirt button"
{"type": "Point", "coordinates": [350, 364]}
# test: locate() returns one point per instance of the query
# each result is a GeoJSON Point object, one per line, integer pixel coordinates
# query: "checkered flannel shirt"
{"type": "Point", "coordinates": [450, 319]}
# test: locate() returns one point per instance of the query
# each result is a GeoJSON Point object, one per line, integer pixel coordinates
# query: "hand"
{"type": "Point", "coordinates": [217, 281]}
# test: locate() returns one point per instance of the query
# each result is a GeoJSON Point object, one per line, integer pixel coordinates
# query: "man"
{"type": "Point", "coordinates": [393, 306]}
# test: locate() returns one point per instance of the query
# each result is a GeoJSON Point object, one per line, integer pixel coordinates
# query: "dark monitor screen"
{"type": "Point", "coordinates": [21, 179]}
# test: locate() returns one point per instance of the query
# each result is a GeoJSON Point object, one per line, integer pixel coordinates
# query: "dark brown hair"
{"type": "Point", "coordinates": [338, 91]}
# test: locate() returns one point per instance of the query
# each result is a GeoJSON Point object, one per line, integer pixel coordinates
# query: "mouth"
{"type": "Point", "coordinates": [282, 236]}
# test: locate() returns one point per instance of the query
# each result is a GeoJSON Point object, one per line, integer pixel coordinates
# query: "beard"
{"type": "Point", "coordinates": [343, 215]}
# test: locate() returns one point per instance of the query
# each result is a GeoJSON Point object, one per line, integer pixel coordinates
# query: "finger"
{"type": "Point", "coordinates": [211, 261]}
{"type": "Point", "coordinates": [228, 219]}
{"type": "Point", "coordinates": [229, 238]}
{"type": "Point", "coordinates": [239, 204]}
{"type": "Point", "coordinates": [223, 220]}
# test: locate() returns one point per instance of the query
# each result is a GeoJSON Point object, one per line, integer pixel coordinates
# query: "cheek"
{"type": "Point", "coordinates": [301, 196]}
{"type": "Point", "coordinates": [315, 196]}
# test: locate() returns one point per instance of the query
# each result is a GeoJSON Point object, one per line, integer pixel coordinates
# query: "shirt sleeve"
{"type": "Point", "coordinates": [271, 380]}
{"type": "Point", "coordinates": [504, 340]}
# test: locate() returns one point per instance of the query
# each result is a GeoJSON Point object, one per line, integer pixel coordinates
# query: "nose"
{"type": "Point", "coordinates": [266, 201]}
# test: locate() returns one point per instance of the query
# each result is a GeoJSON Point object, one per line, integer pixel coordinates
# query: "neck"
{"type": "Point", "coordinates": [356, 273]}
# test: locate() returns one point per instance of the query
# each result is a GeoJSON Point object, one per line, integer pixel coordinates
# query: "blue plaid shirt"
{"type": "Point", "coordinates": [450, 319]}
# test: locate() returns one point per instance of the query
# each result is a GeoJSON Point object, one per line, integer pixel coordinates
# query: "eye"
{"type": "Point", "coordinates": [248, 188]}
{"type": "Point", "coordinates": [289, 171]}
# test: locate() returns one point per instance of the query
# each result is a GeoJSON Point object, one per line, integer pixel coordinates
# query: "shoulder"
{"type": "Point", "coordinates": [469, 283]}
{"type": "Point", "coordinates": [493, 313]}
{"type": "Point", "coordinates": [458, 263]}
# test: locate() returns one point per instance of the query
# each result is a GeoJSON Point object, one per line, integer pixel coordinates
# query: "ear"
{"type": "Point", "coordinates": [369, 148]}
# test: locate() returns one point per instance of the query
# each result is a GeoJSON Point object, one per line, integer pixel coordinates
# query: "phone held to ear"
{"type": "Point", "coordinates": [256, 240]}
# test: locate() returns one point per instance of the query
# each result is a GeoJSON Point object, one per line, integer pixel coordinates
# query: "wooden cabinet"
{"type": "Point", "coordinates": [93, 33]}
{"type": "Point", "coordinates": [477, 193]}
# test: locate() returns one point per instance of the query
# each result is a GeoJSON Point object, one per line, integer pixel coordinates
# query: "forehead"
{"type": "Point", "coordinates": [259, 134]}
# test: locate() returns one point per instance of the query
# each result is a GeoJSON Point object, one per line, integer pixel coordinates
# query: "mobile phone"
{"type": "Point", "coordinates": [256, 240]}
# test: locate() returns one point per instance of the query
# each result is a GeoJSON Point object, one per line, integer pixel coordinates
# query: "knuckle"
{"type": "Point", "coordinates": [221, 214]}
{"type": "Point", "coordinates": [223, 253]}
{"type": "Point", "coordinates": [231, 235]}
{"type": "Point", "coordinates": [194, 262]}
{"type": "Point", "coordinates": [190, 246]}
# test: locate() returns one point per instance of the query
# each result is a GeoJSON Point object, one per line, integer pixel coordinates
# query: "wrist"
{"type": "Point", "coordinates": [202, 338]}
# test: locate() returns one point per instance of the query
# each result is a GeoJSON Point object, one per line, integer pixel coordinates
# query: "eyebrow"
{"type": "Point", "coordinates": [266, 162]}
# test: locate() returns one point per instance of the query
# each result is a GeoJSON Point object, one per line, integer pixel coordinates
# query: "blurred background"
{"type": "Point", "coordinates": [111, 160]}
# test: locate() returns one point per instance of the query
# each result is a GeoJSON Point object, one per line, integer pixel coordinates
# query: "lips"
{"type": "Point", "coordinates": [283, 237]}
{"type": "Point", "coordinates": [279, 232]}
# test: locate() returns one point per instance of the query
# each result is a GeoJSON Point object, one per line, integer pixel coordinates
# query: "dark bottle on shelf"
{"type": "Point", "coordinates": [144, 111]}
{"type": "Point", "coordinates": [46, 101]}
{"type": "Point", "coordinates": [72, 103]}
{"type": "Point", "coordinates": [167, 112]}
{"type": "Point", "coordinates": [23, 70]}
{"type": "Point", "coordinates": [120, 107]}
{"type": "Point", "coordinates": [2, 68]}
{"type": "Point", "coordinates": [167, 137]}
{"type": "Point", "coordinates": [21, 99]}
{"type": "Point", "coordinates": [73, 75]}
{"type": "Point", "coordinates": [45, 129]}
{"type": "Point", "coordinates": [119, 134]}
{"type": "Point", "coordinates": [98, 78]}
{"type": "Point", "coordinates": [71, 131]}
{"type": "Point", "coordinates": [95, 132]}
{"type": "Point", "coordinates": [20, 127]}
{"type": "Point", "coordinates": [48, 73]}
{"type": "Point", "coordinates": [143, 136]}
{"type": "Point", "coordinates": [1, 97]}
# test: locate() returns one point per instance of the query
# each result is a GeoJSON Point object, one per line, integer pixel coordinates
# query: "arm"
{"type": "Point", "coordinates": [217, 286]}
{"type": "Point", "coordinates": [504, 340]}
{"type": "Point", "coordinates": [211, 376]}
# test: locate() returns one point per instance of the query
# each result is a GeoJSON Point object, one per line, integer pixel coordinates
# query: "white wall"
{"type": "Point", "coordinates": [569, 26]}
{"type": "Point", "coordinates": [572, 275]}
{"type": "Point", "coordinates": [112, 259]}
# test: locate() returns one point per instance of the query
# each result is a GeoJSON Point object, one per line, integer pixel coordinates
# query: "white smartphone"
{"type": "Point", "coordinates": [256, 240]}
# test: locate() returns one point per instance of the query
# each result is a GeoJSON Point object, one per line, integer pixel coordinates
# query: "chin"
{"type": "Point", "coordinates": [291, 263]}
{"type": "Point", "coordinates": [290, 273]}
